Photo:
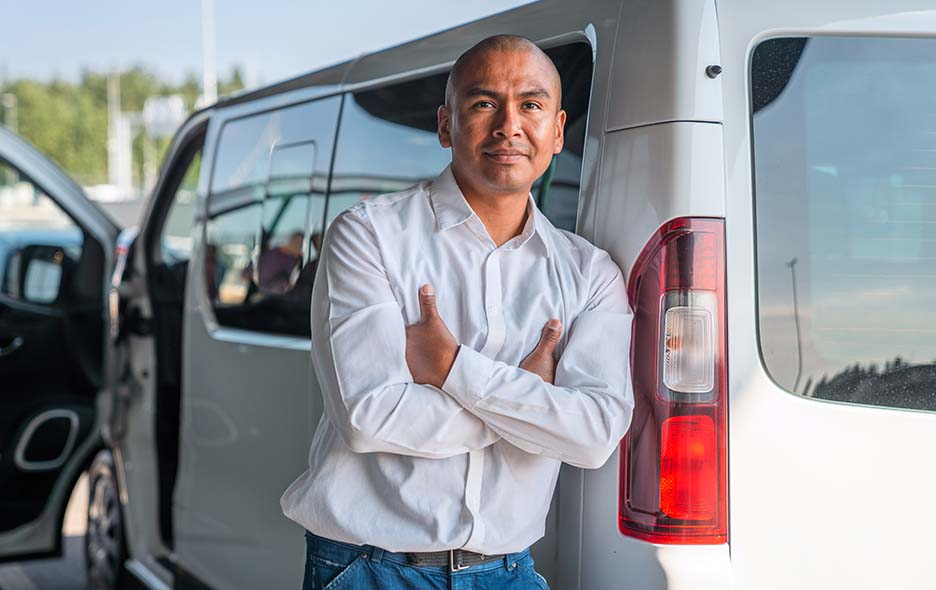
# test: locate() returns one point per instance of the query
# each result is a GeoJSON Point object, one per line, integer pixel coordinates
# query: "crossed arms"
{"type": "Point", "coordinates": [414, 391]}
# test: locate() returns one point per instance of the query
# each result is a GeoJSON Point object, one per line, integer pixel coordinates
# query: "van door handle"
{"type": "Point", "coordinates": [12, 347]}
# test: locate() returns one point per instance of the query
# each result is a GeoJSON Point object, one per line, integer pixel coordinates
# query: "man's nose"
{"type": "Point", "coordinates": [507, 123]}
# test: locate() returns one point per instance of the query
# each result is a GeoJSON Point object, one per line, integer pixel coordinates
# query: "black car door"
{"type": "Point", "coordinates": [56, 251]}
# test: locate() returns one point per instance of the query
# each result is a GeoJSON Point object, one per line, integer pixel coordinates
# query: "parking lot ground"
{"type": "Point", "coordinates": [63, 573]}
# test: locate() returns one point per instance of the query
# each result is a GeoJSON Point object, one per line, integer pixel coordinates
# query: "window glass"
{"type": "Point", "coordinates": [39, 243]}
{"type": "Point", "coordinates": [265, 214]}
{"type": "Point", "coordinates": [175, 238]}
{"type": "Point", "coordinates": [845, 194]}
{"type": "Point", "coordinates": [559, 201]}
{"type": "Point", "coordinates": [388, 140]}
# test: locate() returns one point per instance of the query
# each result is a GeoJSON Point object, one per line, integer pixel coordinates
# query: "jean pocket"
{"type": "Point", "coordinates": [329, 575]}
{"type": "Point", "coordinates": [534, 576]}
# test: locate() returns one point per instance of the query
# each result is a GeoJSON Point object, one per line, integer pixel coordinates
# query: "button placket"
{"type": "Point", "coordinates": [493, 305]}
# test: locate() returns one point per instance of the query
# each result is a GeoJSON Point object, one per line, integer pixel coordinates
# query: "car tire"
{"type": "Point", "coordinates": [105, 542]}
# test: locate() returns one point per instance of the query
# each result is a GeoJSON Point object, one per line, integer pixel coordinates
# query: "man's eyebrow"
{"type": "Point", "coordinates": [479, 91]}
{"type": "Point", "coordinates": [535, 93]}
{"type": "Point", "coordinates": [531, 93]}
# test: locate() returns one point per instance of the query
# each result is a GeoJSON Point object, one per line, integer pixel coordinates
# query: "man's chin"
{"type": "Point", "coordinates": [507, 183]}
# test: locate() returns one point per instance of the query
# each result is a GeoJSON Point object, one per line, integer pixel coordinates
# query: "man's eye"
{"type": "Point", "coordinates": [483, 104]}
{"type": "Point", "coordinates": [531, 105]}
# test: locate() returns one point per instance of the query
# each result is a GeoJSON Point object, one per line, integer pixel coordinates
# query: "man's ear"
{"type": "Point", "coordinates": [560, 131]}
{"type": "Point", "coordinates": [445, 126]}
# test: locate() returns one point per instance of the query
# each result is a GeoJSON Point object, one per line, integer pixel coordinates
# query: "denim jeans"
{"type": "Point", "coordinates": [331, 565]}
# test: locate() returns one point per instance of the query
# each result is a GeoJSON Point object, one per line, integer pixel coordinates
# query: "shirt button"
{"type": "Point", "coordinates": [492, 308]}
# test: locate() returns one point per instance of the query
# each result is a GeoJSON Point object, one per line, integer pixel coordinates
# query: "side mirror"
{"type": "Point", "coordinates": [36, 273]}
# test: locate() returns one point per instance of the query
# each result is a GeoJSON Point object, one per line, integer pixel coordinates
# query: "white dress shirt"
{"type": "Point", "coordinates": [473, 465]}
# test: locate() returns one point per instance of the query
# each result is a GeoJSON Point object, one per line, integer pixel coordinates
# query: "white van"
{"type": "Point", "coordinates": [763, 172]}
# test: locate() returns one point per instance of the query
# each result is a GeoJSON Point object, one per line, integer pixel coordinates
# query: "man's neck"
{"type": "Point", "coordinates": [503, 214]}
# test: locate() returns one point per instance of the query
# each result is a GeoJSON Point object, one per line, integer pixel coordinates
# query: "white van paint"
{"type": "Point", "coordinates": [821, 494]}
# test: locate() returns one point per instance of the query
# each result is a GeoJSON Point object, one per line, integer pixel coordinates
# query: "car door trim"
{"type": "Point", "coordinates": [19, 454]}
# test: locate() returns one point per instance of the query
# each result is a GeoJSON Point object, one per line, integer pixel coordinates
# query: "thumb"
{"type": "Point", "coordinates": [550, 336]}
{"type": "Point", "coordinates": [427, 303]}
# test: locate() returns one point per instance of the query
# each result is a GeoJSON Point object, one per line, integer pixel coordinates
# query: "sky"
{"type": "Point", "coordinates": [270, 40]}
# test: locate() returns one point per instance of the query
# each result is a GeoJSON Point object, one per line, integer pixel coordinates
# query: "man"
{"type": "Point", "coordinates": [436, 319]}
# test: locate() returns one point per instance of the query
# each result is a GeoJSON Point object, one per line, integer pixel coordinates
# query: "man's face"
{"type": "Point", "coordinates": [504, 123]}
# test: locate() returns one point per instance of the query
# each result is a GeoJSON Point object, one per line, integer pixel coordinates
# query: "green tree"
{"type": "Point", "coordinates": [68, 121]}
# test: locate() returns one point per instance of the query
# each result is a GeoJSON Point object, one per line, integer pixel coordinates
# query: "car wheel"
{"type": "Point", "coordinates": [105, 549]}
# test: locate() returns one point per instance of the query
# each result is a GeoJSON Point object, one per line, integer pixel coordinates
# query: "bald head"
{"type": "Point", "coordinates": [485, 49]}
{"type": "Point", "coordinates": [502, 118]}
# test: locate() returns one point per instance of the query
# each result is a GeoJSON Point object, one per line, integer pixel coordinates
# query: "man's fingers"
{"type": "Point", "coordinates": [427, 303]}
{"type": "Point", "coordinates": [550, 336]}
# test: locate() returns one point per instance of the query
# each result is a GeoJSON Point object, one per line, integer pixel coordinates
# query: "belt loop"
{"type": "Point", "coordinates": [507, 561]}
{"type": "Point", "coordinates": [376, 554]}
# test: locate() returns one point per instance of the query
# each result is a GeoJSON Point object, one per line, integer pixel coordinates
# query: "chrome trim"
{"type": "Point", "coordinates": [34, 424]}
{"type": "Point", "coordinates": [145, 576]}
{"type": "Point", "coordinates": [12, 347]}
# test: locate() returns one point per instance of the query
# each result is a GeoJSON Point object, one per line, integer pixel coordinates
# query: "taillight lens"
{"type": "Point", "coordinates": [674, 485]}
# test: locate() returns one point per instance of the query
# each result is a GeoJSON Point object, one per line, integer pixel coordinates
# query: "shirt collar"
{"type": "Point", "coordinates": [452, 209]}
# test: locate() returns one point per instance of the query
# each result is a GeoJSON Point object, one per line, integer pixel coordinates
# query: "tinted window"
{"type": "Point", "coordinates": [845, 185]}
{"type": "Point", "coordinates": [388, 140]}
{"type": "Point", "coordinates": [265, 215]}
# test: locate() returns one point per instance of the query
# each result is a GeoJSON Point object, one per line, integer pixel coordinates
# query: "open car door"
{"type": "Point", "coordinates": [56, 252]}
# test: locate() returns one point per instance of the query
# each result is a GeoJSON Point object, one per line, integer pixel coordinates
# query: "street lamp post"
{"type": "Point", "coordinates": [209, 75]}
{"type": "Point", "coordinates": [10, 120]}
{"type": "Point", "coordinates": [799, 341]}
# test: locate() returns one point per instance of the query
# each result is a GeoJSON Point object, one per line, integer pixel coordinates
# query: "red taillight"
{"type": "Point", "coordinates": [674, 457]}
{"type": "Point", "coordinates": [688, 468]}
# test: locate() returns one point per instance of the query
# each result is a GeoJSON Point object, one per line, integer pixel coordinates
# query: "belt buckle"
{"type": "Point", "coordinates": [453, 565]}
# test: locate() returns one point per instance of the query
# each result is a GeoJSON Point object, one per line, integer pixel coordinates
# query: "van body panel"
{"type": "Point", "coordinates": [543, 22]}
{"type": "Point", "coordinates": [822, 494]}
{"type": "Point", "coordinates": [325, 81]}
{"type": "Point", "coordinates": [652, 174]}
{"type": "Point", "coordinates": [611, 561]}
{"type": "Point", "coordinates": [246, 410]}
{"type": "Point", "coordinates": [659, 74]}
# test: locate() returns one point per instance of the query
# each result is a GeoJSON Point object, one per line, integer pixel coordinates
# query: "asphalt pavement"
{"type": "Point", "coordinates": [63, 573]}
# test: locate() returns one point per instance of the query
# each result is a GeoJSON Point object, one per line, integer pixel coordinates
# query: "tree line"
{"type": "Point", "coordinates": [67, 120]}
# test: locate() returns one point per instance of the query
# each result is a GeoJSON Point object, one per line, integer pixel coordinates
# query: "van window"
{"type": "Point", "coordinates": [265, 214]}
{"type": "Point", "coordinates": [388, 140]}
{"type": "Point", "coordinates": [844, 141]}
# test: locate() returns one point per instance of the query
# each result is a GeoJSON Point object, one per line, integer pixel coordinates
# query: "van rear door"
{"type": "Point", "coordinates": [830, 134]}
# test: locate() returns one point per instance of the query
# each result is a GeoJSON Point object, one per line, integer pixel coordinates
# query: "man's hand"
{"type": "Point", "coordinates": [430, 347]}
{"type": "Point", "coordinates": [541, 360]}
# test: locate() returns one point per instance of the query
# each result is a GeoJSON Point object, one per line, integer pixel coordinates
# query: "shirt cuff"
{"type": "Point", "coordinates": [468, 376]}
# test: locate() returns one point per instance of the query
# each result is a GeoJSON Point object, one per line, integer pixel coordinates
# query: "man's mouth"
{"type": "Point", "coordinates": [505, 156]}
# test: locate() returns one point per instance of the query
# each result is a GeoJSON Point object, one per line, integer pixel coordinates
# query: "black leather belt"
{"type": "Point", "coordinates": [456, 559]}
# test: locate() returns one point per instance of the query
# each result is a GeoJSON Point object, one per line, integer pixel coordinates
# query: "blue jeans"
{"type": "Point", "coordinates": [331, 565]}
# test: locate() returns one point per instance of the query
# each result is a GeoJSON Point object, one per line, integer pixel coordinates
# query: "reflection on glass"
{"type": "Point", "coordinates": [389, 142]}
{"type": "Point", "coordinates": [265, 215]}
{"type": "Point", "coordinates": [845, 185]}
{"type": "Point", "coordinates": [288, 207]}
{"type": "Point", "coordinates": [29, 217]}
